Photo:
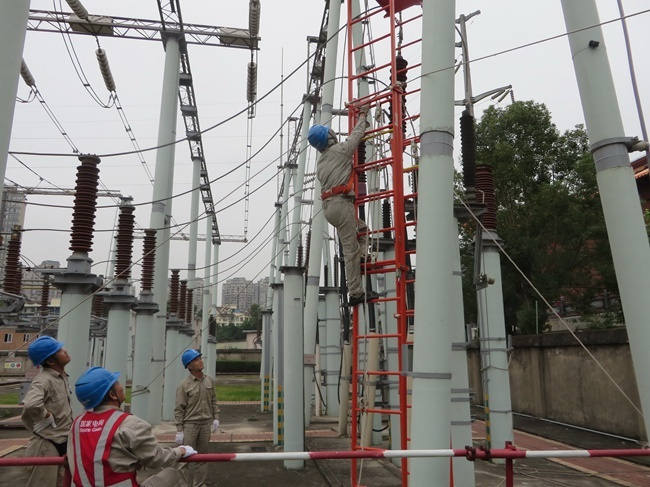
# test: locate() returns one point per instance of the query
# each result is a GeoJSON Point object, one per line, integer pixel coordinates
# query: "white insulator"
{"type": "Point", "coordinates": [26, 74]}
{"type": "Point", "coordinates": [78, 9]}
{"type": "Point", "coordinates": [104, 67]}
{"type": "Point", "coordinates": [254, 10]}
{"type": "Point", "coordinates": [251, 82]}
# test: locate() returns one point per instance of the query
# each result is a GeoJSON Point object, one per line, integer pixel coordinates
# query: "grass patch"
{"type": "Point", "coordinates": [238, 392]}
{"type": "Point", "coordinates": [225, 392]}
{"type": "Point", "coordinates": [9, 398]}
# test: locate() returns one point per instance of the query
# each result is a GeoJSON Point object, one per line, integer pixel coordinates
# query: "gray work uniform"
{"type": "Point", "coordinates": [135, 445]}
{"type": "Point", "coordinates": [49, 392]}
{"type": "Point", "coordinates": [333, 169]}
{"type": "Point", "coordinates": [196, 408]}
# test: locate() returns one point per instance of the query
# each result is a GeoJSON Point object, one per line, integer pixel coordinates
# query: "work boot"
{"type": "Point", "coordinates": [363, 298]}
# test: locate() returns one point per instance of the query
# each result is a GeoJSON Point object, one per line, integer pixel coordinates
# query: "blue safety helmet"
{"type": "Point", "coordinates": [93, 385]}
{"type": "Point", "coordinates": [188, 356]}
{"type": "Point", "coordinates": [43, 348]}
{"type": "Point", "coordinates": [317, 136]}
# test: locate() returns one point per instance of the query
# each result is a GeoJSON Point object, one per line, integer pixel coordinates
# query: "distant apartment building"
{"type": "Point", "coordinates": [12, 213]}
{"type": "Point", "coordinates": [241, 293]}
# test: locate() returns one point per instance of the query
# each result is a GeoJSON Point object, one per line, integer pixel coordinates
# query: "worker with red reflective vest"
{"type": "Point", "coordinates": [335, 174]}
{"type": "Point", "coordinates": [107, 446]}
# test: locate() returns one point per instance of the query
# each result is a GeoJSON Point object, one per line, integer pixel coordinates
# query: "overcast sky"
{"type": "Point", "coordinates": [542, 72]}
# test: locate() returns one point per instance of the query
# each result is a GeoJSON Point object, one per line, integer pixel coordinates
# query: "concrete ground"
{"type": "Point", "coordinates": [245, 429]}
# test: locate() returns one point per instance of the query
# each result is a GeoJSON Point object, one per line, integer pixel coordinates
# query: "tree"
{"type": "Point", "coordinates": [548, 214]}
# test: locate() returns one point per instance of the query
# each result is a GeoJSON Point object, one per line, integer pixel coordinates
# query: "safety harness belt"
{"type": "Point", "coordinates": [342, 189]}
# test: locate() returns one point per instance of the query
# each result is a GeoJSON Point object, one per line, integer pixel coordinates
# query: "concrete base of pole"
{"type": "Point", "coordinates": [119, 302]}
{"type": "Point", "coordinates": [344, 394]}
{"type": "Point", "coordinates": [212, 356]}
{"type": "Point", "coordinates": [332, 353]}
{"type": "Point", "coordinates": [77, 284]}
{"type": "Point", "coordinates": [278, 367]}
{"type": "Point", "coordinates": [294, 426]}
{"type": "Point", "coordinates": [172, 361]}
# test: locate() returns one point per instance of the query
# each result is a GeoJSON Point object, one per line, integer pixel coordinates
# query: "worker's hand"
{"type": "Point", "coordinates": [215, 425]}
{"type": "Point", "coordinates": [180, 436]}
{"type": "Point", "coordinates": [364, 109]}
{"type": "Point", "coordinates": [45, 423]}
{"type": "Point", "coordinates": [188, 451]}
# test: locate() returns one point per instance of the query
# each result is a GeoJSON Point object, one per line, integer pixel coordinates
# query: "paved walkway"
{"type": "Point", "coordinates": [616, 471]}
{"type": "Point", "coordinates": [621, 472]}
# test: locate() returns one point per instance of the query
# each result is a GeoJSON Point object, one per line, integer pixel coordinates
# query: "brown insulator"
{"type": "Point", "coordinates": [45, 297]}
{"type": "Point", "coordinates": [468, 146]}
{"type": "Point", "coordinates": [182, 303]}
{"type": "Point", "coordinates": [85, 204]}
{"type": "Point", "coordinates": [485, 194]}
{"type": "Point", "coordinates": [173, 292]}
{"type": "Point", "coordinates": [307, 248]}
{"type": "Point", "coordinates": [401, 64]}
{"type": "Point", "coordinates": [190, 306]}
{"type": "Point", "coordinates": [148, 259]}
{"type": "Point", "coordinates": [361, 153]}
{"type": "Point", "coordinates": [124, 242]}
{"type": "Point", "coordinates": [13, 272]}
{"type": "Point", "coordinates": [300, 249]}
{"type": "Point", "coordinates": [336, 271]}
{"type": "Point", "coordinates": [98, 305]}
{"type": "Point", "coordinates": [386, 218]}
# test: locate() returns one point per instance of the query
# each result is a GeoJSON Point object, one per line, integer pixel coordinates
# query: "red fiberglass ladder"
{"type": "Point", "coordinates": [382, 331]}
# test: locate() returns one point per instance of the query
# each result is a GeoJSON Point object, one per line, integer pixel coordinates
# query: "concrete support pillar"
{"type": "Point", "coordinates": [318, 221]}
{"type": "Point", "coordinates": [616, 185]}
{"type": "Point", "coordinates": [119, 302]}
{"type": "Point", "coordinates": [432, 338]}
{"type": "Point", "coordinates": [161, 218]}
{"type": "Point", "coordinates": [13, 27]}
{"type": "Point", "coordinates": [461, 421]}
{"type": "Point", "coordinates": [277, 334]}
{"type": "Point", "coordinates": [265, 367]}
{"type": "Point", "coordinates": [331, 351]}
{"type": "Point", "coordinates": [294, 435]}
{"type": "Point", "coordinates": [142, 355]}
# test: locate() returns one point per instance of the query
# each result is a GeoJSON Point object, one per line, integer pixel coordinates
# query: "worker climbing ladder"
{"type": "Point", "coordinates": [385, 167]}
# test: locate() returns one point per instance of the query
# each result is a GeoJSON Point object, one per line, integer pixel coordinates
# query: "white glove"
{"type": "Point", "coordinates": [189, 451]}
{"type": "Point", "coordinates": [180, 436]}
{"type": "Point", "coordinates": [215, 425]}
{"type": "Point", "coordinates": [44, 423]}
{"type": "Point", "coordinates": [364, 109]}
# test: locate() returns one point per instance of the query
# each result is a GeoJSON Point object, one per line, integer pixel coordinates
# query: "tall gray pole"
{"type": "Point", "coordinates": [433, 317]}
{"type": "Point", "coordinates": [212, 349]}
{"type": "Point", "coordinates": [618, 193]}
{"type": "Point", "coordinates": [161, 218]}
{"type": "Point", "coordinates": [13, 28]}
{"type": "Point", "coordinates": [318, 219]}
{"type": "Point", "coordinates": [205, 308]}
{"type": "Point", "coordinates": [298, 184]}
{"type": "Point", "coordinates": [461, 423]}
{"type": "Point", "coordinates": [494, 346]}
{"type": "Point", "coordinates": [294, 428]}
{"type": "Point", "coordinates": [194, 230]}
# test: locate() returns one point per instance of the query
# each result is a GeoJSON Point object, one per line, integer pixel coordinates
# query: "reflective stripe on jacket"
{"type": "Point", "coordinates": [92, 437]}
